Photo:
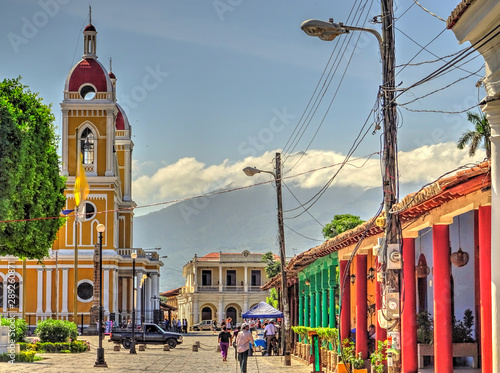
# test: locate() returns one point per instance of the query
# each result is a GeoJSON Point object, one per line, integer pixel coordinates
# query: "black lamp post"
{"type": "Point", "coordinates": [100, 363]}
{"type": "Point", "coordinates": [132, 344]}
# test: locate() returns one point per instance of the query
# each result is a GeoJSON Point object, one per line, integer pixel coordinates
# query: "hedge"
{"type": "Point", "coordinates": [56, 330]}
{"type": "Point", "coordinates": [73, 346]}
{"type": "Point", "coordinates": [22, 357]}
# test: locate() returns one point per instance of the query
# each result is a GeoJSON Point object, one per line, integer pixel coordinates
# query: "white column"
{"type": "Point", "coordinates": [195, 278]}
{"type": "Point", "coordinates": [492, 109]}
{"type": "Point", "coordinates": [115, 292]}
{"type": "Point", "coordinates": [245, 303]}
{"type": "Point", "coordinates": [148, 299]}
{"type": "Point", "coordinates": [154, 290]}
{"type": "Point", "coordinates": [196, 310]}
{"type": "Point", "coordinates": [124, 295]}
{"type": "Point", "coordinates": [48, 291]}
{"type": "Point", "coordinates": [64, 139]}
{"type": "Point", "coordinates": [105, 298]}
{"type": "Point", "coordinates": [246, 281]}
{"type": "Point", "coordinates": [39, 293]}
{"type": "Point", "coordinates": [64, 290]}
{"type": "Point", "coordinates": [138, 297]}
{"type": "Point", "coordinates": [220, 278]}
{"type": "Point", "coordinates": [109, 143]}
{"type": "Point", "coordinates": [220, 310]}
{"type": "Point", "coordinates": [4, 305]}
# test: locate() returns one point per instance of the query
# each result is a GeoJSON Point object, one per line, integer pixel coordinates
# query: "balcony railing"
{"type": "Point", "coordinates": [233, 288]}
{"type": "Point", "coordinates": [208, 288]}
{"type": "Point", "coordinates": [254, 288]}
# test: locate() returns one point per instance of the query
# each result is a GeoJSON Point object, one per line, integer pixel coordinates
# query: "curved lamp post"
{"type": "Point", "coordinates": [132, 344]}
{"type": "Point", "coordinates": [329, 31]}
{"type": "Point", "coordinates": [250, 171]}
{"type": "Point", "coordinates": [100, 362]}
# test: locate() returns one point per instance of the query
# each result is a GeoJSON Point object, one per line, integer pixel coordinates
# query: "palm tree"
{"type": "Point", "coordinates": [481, 134]}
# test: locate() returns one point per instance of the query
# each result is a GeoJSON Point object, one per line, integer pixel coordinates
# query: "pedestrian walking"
{"type": "Point", "coordinates": [228, 323]}
{"type": "Point", "coordinates": [214, 327]}
{"type": "Point", "coordinates": [235, 335]}
{"type": "Point", "coordinates": [243, 341]}
{"type": "Point", "coordinates": [179, 326]}
{"type": "Point", "coordinates": [185, 326]}
{"type": "Point", "coordinates": [270, 336]}
{"type": "Point", "coordinates": [225, 338]}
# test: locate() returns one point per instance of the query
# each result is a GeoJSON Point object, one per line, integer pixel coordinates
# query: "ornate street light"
{"type": "Point", "coordinates": [100, 362]}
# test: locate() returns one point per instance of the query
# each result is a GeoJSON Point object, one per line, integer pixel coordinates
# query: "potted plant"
{"type": "Point", "coordinates": [463, 343]}
{"type": "Point", "coordinates": [346, 356]}
{"type": "Point", "coordinates": [377, 358]}
{"type": "Point", "coordinates": [358, 364]}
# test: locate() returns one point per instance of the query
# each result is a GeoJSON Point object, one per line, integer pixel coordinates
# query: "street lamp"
{"type": "Point", "coordinates": [132, 344]}
{"type": "Point", "coordinates": [100, 351]}
{"type": "Point", "coordinates": [328, 31]}
{"type": "Point", "coordinates": [250, 171]}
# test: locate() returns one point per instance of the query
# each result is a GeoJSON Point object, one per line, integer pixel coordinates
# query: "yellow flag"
{"type": "Point", "coordinates": [81, 186]}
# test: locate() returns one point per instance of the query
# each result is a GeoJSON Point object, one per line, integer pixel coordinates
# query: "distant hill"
{"type": "Point", "coordinates": [244, 219]}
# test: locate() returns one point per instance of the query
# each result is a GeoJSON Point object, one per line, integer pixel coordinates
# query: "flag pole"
{"type": "Point", "coordinates": [75, 284]}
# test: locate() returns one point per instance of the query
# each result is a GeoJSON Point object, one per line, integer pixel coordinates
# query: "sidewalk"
{"type": "Point", "coordinates": [155, 360]}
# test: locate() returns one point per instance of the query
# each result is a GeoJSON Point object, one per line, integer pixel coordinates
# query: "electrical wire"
{"type": "Point", "coordinates": [428, 11]}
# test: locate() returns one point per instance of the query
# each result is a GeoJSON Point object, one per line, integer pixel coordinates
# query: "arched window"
{"type": "Point", "coordinates": [206, 313]}
{"type": "Point", "coordinates": [87, 146]}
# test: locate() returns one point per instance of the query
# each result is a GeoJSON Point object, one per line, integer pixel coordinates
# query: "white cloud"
{"type": "Point", "coordinates": [189, 177]}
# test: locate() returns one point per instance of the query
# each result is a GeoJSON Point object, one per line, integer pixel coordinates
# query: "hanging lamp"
{"type": "Point", "coordinates": [459, 258]}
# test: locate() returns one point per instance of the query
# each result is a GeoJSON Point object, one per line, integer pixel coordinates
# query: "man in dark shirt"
{"type": "Point", "coordinates": [224, 339]}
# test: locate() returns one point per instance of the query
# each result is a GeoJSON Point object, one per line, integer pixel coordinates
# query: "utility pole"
{"type": "Point", "coordinates": [391, 247]}
{"type": "Point", "coordinates": [285, 336]}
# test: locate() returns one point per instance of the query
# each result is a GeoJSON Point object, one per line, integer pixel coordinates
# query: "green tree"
{"type": "Point", "coordinates": [273, 266]}
{"type": "Point", "coordinates": [340, 224]}
{"type": "Point", "coordinates": [272, 299]}
{"type": "Point", "coordinates": [481, 134]}
{"type": "Point", "coordinates": [30, 184]}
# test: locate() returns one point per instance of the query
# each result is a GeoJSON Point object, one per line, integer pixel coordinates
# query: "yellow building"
{"type": "Point", "coordinates": [95, 126]}
{"type": "Point", "coordinates": [221, 285]}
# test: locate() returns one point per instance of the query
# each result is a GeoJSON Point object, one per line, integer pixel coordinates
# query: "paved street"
{"type": "Point", "coordinates": [154, 359]}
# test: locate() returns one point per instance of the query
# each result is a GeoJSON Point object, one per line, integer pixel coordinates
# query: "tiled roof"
{"type": "Point", "coordinates": [457, 12]}
{"type": "Point", "coordinates": [88, 71]}
{"type": "Point", "coordinates": [411, 207]}
{"type": "Point", "coordinates": [171, 293]}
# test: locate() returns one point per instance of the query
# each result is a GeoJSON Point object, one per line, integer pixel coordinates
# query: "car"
{"type": "Point", "coordinates": [204, 325]}
{"type": "Point", "coordinates": [148, 334]}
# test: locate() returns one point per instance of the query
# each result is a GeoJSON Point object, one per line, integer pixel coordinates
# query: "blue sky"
{"type": "Point", "coordinates": [233, 80]}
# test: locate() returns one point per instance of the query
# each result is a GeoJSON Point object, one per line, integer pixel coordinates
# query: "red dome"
{"type": "Point", "coordinates": [120, 123]}
{"type": "Point", "coordinates": [88, 71]}
{"type": "Point", "coordinates": [112, 76]}
{"type": "Point", "coordinates": [90, 27]}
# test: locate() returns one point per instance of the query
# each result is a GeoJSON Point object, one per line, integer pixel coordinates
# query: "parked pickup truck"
{"type": "Point", "coordinates": [149, 333]}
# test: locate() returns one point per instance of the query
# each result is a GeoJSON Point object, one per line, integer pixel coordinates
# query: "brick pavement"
{"type": "Point", "coordinates": [155, 360]}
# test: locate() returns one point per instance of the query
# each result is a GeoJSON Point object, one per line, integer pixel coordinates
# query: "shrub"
{"type": "Point", "coordinates": [22, 357]}
{"type": "Point", "coordinates": [19, 327]}
{"type": "Point", "coordinates": [56, 330]}
{"type": "Point", "coordinates": [72, 346]}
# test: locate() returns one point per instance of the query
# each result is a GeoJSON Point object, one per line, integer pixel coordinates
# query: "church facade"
{"type": "Point", "coordinates": [96, 130]}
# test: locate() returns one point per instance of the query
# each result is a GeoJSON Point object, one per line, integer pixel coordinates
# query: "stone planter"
{"type": "Point", "coordinates": [307, 355]}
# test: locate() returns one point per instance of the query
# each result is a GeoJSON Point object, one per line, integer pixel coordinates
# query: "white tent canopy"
{"type": "Point", "coordinates": [262, 310]}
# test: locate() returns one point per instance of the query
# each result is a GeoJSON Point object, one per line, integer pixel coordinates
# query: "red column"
{"type": "Point", "coordinates": [345, 293]}
{"type": "Point", "coordinates": [443, 348]}
{"type": "Point", "coordinates": [361, 301]}
{"type": "Point", "coordinates": [485, 285]}
{"type": "Point", "coordinates": [381, 333]}
{"type": "Point", "coordinates": [409, 315]}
